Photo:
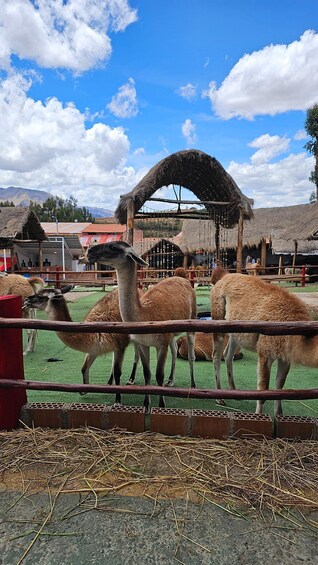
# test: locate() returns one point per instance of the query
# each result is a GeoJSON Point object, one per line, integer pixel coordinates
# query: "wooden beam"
{"type": "Point", "coordinates": [130, 222]}
{"type": "Point", "coordinates": [196, 202]}
{"type": "Point", "coordinates": [239, 252]}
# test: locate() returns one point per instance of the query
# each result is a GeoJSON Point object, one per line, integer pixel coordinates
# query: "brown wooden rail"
{"type": "Point", "coordinates": [177, 326]}
{"type": "Point", "coordinates": [286, 394]}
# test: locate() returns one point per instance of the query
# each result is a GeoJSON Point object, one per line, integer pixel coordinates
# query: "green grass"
{"type": "Point", "coordinates": [67, 369]}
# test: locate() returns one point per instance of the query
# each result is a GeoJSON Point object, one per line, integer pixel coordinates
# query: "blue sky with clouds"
{"type": "Point", "coordinates": [95, 92]}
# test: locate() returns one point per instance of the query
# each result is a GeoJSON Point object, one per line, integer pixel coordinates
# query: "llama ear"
{"type": "Point", "coordinates": [133, 255]}
{"type": "Point", "coordinates": [67, 288]}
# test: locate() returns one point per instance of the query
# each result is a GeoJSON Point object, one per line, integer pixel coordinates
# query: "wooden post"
{"type": "Point", "coordinates": [185, 260]}
{"type": "Point", "coordinates": [239, 253]}
{"type": "Point", "coordinates": [40, 256]}
{"type": "Point", "coordinates": [263, 256]}
{"type": "Point", "coordinates": [295, 254]}
{"type": "Point", "coordinates": [11, 363]}
{"type": "Point", "coordinates": [12, 259]}
{"type": "Point", "coordinates": [130, 223]}
{"type": "Point", "coordinates": [280, 262]}
{"type": "Point", "coordinates": [303, 275]}
{"type": "Point", "coordinates": [217, 240]}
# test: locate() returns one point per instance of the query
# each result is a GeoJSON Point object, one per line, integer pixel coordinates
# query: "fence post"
{"type": "Point", "coordinates": [11, 363]}
{"type": "Point", "coordinates": [191, 278]}
{"type": "Point", "coordinates": [303, 275]}
{"type": "Point", "coordinates": [57, 283]}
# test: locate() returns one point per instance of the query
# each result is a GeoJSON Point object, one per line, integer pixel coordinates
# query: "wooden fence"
{"type": "Point", "coordinates": [13, 385]}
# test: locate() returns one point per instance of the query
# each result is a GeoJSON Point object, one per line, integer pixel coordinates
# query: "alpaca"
{"type": "Point", "coordinates": [181, 272]}
{"type": "Point", "coordinates": [171, 299]}
{"type": "Point", "coordinates": [52, 301]}
{"type": "Point", "coordinates": [253, 268]}
{"type": "Point", "coordinates": [24, 287]}
{"type": "Point", "coordinates": [238, 297]}
{"type": "Point", "coordinates": [203, 347]}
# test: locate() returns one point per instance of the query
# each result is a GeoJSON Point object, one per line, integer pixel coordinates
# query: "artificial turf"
{"type": "Point", "coordinates": [54, 362]}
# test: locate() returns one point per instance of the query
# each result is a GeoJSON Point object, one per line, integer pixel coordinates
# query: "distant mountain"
{"type": "Point", "coordinates": [22, 196]}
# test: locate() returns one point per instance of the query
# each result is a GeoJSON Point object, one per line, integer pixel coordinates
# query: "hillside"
{"type": "Point", "coordinates": [22, 197]}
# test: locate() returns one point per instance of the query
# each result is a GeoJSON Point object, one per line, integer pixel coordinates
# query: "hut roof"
{"type": "Point", "coordinates": [267, 223]}
{"type": "Point", "coordinates": [201, 174]}
{"type": "Point", "coordinates": [147, 244]}
{"type": "Point", "coordinates": [19, 223]}
{"type": "Point", "coordinates": [305, 225]}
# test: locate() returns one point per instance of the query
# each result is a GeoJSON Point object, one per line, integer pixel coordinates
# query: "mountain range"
{"type": "Point", "coordinates": [22, 197]}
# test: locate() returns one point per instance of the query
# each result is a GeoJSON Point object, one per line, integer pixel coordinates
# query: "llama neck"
{"type": "Point", "coordinates": [129, 303]}
{"type": "Point", "coordinates": [58, 311]}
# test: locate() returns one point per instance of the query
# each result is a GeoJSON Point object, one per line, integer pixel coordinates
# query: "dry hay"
{"type": "Point", "coordinates": [262, 475]}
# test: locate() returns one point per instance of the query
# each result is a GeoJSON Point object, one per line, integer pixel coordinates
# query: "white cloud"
{"type": "Point", "coordinates": [300, 134]}
{"type": "Point", "coordinates": [124, 104]}
{"type": "Point", "coordinates": [188, 132]}
{"type": "Point", "coordinates": [269, 146]}
{"type": "Point", "coordinates": [275, 184]}
{"type": "Point", "coordinates": [46, 145]}
{"type": "Point", "coordinates": [189, 91]}
{"type": "Point", "coordinates": [275, 79]}
{"type": "Point", "coordinates": [56, 34]}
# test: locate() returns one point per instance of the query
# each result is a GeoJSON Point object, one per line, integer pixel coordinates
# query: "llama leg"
{"type": "Point", "coordinates": [191, 357]}
{"type": "Point", "coordinates": [173, 349]}
{"type": "Point", "coordinates": [217, 357]}
{"type": "Point", "coordinates": [30, 313]}
{"type": "Point", "coordinates": [118, 363]}
{"type": "Point", "coordinates": [145, 360]}
{"type": "Point", "coordinates": [160, 370]}
{"type": "Point", "coordinates": [263, 375]}
{"type": "Point", "coordinates": [111, 378]}
{"type": "Point", "coordinates": [88, 362]}
{"type": "Point", "coordinates": [132, 377]}
{"type": "Point", "coordinates": [229, 351]}
{"type": "Point", "coordinates": [282, 372]}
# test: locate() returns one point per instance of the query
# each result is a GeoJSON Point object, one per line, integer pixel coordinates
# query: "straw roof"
{"type": "Point", "coordinates": [267, 223]}
{"type": "Point", "coordinates": [19, 223]}
{"type": "Point", "coordinates": [196, 171]}
{"type": "Point", "coordinates": [306, 225]}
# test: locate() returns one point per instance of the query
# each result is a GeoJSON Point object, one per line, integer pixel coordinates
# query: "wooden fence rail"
{"type": "Point", "coordinates": [176, 326]}
{"type": "Point", "coordinates": [286, 394]}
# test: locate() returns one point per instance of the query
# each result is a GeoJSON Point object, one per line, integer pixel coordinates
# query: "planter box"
{"type": "Point", "coordinates": [170, 421]}
{"type": "Point", "coordinates": [130, 418]}
{"type": "Point", "coordinates": [292, 427]}
{"type": "Point", "coordinates": [44, 414]}
{"type": "Point", "coordinates": [251, 425]}
{"type": "Point", "coordinates": [210, 424]}
{"type": "Point", "coordinates": [93, 415]}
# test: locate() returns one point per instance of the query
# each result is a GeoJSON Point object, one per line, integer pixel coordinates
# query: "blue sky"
{"type": "Point", "coordinates": [95, 92]}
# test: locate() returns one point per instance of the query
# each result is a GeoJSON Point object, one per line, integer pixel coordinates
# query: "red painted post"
{"type": "Point", "coordinates": [11, 363]}
{"type": "Point", "coordinates": [303, 275]}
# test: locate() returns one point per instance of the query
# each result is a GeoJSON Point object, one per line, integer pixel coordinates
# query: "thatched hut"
{"type": "Point", "coordinates": [203, 175]}
{"type": "Point", "coordinates": [266, 232]}
{"type": "Point", "coordinates": [19, 225]}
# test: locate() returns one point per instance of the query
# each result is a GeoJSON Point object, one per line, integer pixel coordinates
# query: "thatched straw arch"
{"type": "Point", "coordinates": [201, 174]}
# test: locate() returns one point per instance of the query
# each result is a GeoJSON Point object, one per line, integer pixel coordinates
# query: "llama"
{"type": "Point", "coordinates": [253, 268]}
{"type": "Point", "coordinates": [238, 297]}
{"type": "Point", "coordinates": [171, 299]}
{"type": "Point", "coordinates": [52, 301]}
{"type": "Point", "coordinates": [203, 347]}
{"type": "Point", "coordinates": [24, 287]}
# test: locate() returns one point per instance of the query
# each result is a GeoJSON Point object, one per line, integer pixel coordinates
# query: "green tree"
{"type": "Point", "coordinates": [58, 209]}
{"type": "Point", "coordinates": [311, 127]}
{"type": "Point", "coordinates": [6, 204]}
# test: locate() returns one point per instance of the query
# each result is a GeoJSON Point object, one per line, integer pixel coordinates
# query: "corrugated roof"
{"type": "Point", "coordinates": [104, 228]}
{"type": "Point", "coordinates": [63, 228]}
{"type": "Point", "coordinates": [93, 239]}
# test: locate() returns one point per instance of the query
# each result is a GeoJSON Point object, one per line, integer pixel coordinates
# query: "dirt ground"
{"type": "Point", "coordinates": [79, 497]}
